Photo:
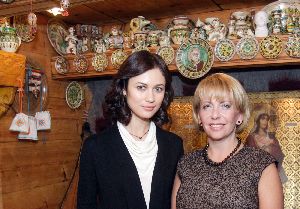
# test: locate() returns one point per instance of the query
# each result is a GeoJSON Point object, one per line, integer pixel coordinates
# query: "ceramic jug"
{"type": "Point", "coordinates": [9, 40]}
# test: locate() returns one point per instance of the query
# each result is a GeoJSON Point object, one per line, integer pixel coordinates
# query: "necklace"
{"type": "Point", "coordinates": [139, 137]}
{"type": "Point", "coordinates": [212, 163]}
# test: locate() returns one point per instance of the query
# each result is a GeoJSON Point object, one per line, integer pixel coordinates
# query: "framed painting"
{"type": "Point", "coordinates": [274, 126]}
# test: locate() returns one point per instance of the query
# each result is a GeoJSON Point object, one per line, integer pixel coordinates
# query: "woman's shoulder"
{"type": "Point", "coordinates": [101, 137]}
{"type": "Point", "coordinates": [257, 155]}
{"type": "Point", "coordinates": [192, 156]}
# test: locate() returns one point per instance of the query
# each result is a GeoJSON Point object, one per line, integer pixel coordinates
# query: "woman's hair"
{"type": "Point", "coordinates": [219, 86]}
{"type": "Point", "coordinates": [258, 121]}
{"type": "Point", "coordinates": [136, 64]}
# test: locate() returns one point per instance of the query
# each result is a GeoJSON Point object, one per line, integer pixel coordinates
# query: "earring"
{"type": "Point", "coordinates": [200, 124]}
{"type": "Point", "coordinates": [239, 122]}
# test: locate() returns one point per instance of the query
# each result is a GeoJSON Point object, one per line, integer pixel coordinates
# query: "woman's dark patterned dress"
{"type": "Point", "coordinates": [232, 185]}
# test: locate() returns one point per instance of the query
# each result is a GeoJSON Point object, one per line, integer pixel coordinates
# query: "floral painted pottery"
{"type": "Point", "coordinates": [118, 57]}
{"type": "Point", "coordinates": [140, 38]}
{"type": "Point", "coordinates": [26, 27]}
{"type": "Point", "coordinates": [292, 47]}
{"type": "Point", "coordinates": [57, 32]}
{"type": "Point", "coordinates": [179, 35]}
{"type": "Point", "coordinates": [74, 95]}
{"type": "Point", "coordinates": [270, 47]}
{"type": "Point", "coordinates": [247, 48]}
{"type": "Point", "coordinates": [61, 65]}
{"type": "Point", "coordinates": [100, 62]}
{"type": "Point", "coordinates": [194, 58]}
{"type": "Point", "coordinates": [224, 50]}
{"type": "Point", "coordinates": [153, 38]}
{"type": "Point", "coordinates": [9, 40]}
{"type": "Point", "coordinates": [80, 63]}
{"type": "Point", "coordinates": [167, 53]}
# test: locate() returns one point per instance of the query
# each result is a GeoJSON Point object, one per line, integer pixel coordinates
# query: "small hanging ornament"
{"type": "Point", "coordinates": [64, 4]}
{"type": "Point", "coordinates": [32, 20]}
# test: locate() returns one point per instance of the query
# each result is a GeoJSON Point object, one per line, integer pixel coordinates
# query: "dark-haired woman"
{"type": "Point", "coordinates": [132, 164]}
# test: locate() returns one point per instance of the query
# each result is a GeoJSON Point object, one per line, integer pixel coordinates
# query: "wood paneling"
{"type": "Point", "coordinates": [35, 175]}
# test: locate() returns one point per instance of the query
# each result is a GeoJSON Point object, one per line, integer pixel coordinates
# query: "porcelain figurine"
{"type": "Point", "coordinates": [115, 38]}
{"type": "Point", "coordinates": [199, 32]}
{"type": "Point", "coordinates": [215, 29]}
{"type": "Point", "coordinates": [242, 24]}
{"type": "Point", "coordinates": [261, 21]}
{"type": "Point", "coordinates": [138, 24]}
{"type": "Point", "coordinates": [72, 41]}
{"type": "Point", "coordinates": [99, 46]}
{"type": "Point", "coordinates": [153, 37]}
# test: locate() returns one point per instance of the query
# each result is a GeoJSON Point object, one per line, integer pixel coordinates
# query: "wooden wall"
{"type": "Point", "coordinates": [34, 175]}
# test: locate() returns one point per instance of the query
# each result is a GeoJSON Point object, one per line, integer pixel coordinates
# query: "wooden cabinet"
{"type": "Point", "coordinates": [236, 62]}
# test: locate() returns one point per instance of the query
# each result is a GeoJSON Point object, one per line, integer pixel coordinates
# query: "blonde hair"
{"type": "Point", "coordinates": [219, 86]}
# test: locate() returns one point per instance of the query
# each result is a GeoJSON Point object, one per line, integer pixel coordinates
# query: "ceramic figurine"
{"type": "Point", "coordinates": [138, 24]}
{"type": "Point", "coordinates": [115, 39]}
{"type": "Point", "coordinates": [72, 41]}
{"type": "Point", "coordinates": [127, 40]}
{"type": "Point", "coordinates": [215, 29]}
{"type": "Point", "coordinates": [242, 24]}
{"type": "Point", "coordinates": [199, 32]}
{"type": "Point", "coordinates": [261, 21]}
{"type": "Point", "coordinates": [99, 46]}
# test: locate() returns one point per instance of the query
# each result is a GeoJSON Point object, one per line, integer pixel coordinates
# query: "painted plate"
{"type": "Point", "coordinates": [57, 32]}
{"type": "Point", "coordinates": [247, 48]}
{"type": "Point", "coordinates": [270, 47]}
{"type": "Point", "coordinates": [26, 32]}
{"type": "Point", "coordinates": [118, 57]}
{"type": "Point", "coordinates": [292, 47]}
{"type": "Point", "coordinates": [74, 95]}
{"type": "Point", "coordinates": [81, 64]}
{"type": "Point", "coordinates": [61, 65]}
{"type": "Point", "coordinates": [224, 50]}
{"type": "Point", "coordinates": [167, 53]}
{"type": "Point", "coordinates": [100, 62]}
{"type": "Point", "coordinates": [194, 58]}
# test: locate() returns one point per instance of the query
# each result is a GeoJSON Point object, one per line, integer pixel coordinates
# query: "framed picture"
{"type": "Point", "coordinates": [274, 126]}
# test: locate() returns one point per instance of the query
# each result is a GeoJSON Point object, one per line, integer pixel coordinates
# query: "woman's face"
{"type": "Point", "coordinates": [219, 118]}
{"type": "Point", "coordinates": [263, 122]}
{"type": "Point", "coordinates": [145, 94]}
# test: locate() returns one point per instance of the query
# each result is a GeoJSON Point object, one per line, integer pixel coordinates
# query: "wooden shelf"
{"type": "Point", "coordinates": [235, 62]}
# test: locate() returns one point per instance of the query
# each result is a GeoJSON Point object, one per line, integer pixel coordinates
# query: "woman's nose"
{"type": "Point", "coordinates": [215, 113]}
{"type": "Point", "coordinates": [150, 96]}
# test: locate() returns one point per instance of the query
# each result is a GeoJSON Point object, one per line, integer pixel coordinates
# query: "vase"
{"type": "Point", "coordinates": [9, 40]}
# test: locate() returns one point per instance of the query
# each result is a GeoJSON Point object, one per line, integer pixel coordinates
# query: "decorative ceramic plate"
{"type": "Point", "coordinates": [270, 47]}
{"type": "Point", "coordinates": [57, 32]}
{"type": "Point", "coordinates": [167, 53]}
{"type": "Point", "coordinates": [224, 50]}
{"type": "Point", "coordinates": [24, 30]}
{"type": "Point", "coordinates": [194, 58]}
{"type": "Point", "coordinates": [74, 95]}
{"type": "Point", "coordinates": [118, 57]}
{"type": "Point", "coordinates": [61, 65]}
{"type": "Point", "coordinates": [292, 47]}
{"type": "Point", "coordinates": [80, 63]}
{"type": "Point", "coordinates": [140, 48]}
{"type": "Point", "coordinates": [247, 47]}
{"type": "Point", "coordinates": [100, 62]}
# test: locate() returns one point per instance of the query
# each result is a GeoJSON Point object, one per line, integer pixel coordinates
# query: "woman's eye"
{"type": "Point", "coordinates": [159, 89]}
{"type": "Point", "coordinates": [141, 87]}
{"type": "Point", "coordinates": [226, 105]}
{"type": "Point", "coordinates": [205, 106]}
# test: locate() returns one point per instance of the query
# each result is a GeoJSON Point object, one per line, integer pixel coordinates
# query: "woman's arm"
{"type": "Point", "coordinates": [87, 185]}
{"type": "Point", "coordinates": [270, 192]}
{"type": "Point", "coordinates": [176, 186]}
